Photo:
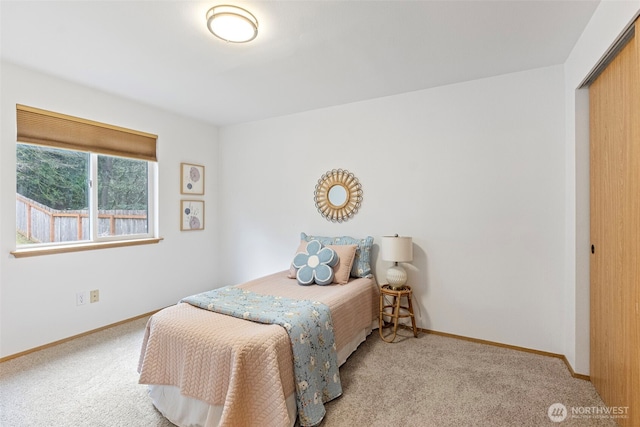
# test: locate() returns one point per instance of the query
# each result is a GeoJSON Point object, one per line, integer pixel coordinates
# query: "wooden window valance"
{"type": "Point", "coordinates": [42, 127]}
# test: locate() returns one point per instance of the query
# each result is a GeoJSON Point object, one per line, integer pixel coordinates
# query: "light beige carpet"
{"type": "Point", "coordinates": [428, 381]}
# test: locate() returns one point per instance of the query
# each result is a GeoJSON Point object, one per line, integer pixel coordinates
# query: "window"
{"type": "Point", "coordinates": [81, 182]}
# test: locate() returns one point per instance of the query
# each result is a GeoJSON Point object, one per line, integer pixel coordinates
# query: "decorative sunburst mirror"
{"type": "Point", "coordinates": [338, 195]}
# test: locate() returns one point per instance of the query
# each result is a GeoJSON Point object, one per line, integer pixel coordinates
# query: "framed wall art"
{"type": "Point", "coordinates": [191, 179]}
{"type": "Point", "coordinates": [191, 215]}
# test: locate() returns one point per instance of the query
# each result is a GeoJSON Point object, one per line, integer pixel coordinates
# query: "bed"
{"type": "Point", "coordinates": [209, 369]}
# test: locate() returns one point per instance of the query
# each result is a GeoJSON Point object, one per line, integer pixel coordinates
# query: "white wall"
{"type": "Point", "coordinates": [37, 295]}
{"type": "Point", "coordinates": [605, 26]}
{"type": "Point", "coordinates": [474, 172]}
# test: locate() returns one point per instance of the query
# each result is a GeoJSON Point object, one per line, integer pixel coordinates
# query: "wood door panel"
{"type": "Point", "coordinates": [615, 232]}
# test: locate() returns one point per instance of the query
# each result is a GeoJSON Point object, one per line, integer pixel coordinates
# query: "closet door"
{"type": "Point", "coordinates": [615, 232]}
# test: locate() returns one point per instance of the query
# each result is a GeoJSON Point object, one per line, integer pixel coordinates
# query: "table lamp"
{"type": "Point", "coordinates": [397, 249]}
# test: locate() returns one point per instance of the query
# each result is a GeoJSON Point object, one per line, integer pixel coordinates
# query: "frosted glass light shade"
{"type": "Point", "coordinates": [232, 24]}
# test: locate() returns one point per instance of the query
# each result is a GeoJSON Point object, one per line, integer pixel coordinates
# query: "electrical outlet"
{"type": "Point", "coordinates": [95, 296]}
{"type": "Point", "coordinates": [82, 297]}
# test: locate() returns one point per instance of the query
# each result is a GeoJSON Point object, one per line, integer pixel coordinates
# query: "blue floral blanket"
{"type": "Point", "coordinates": [310, 329]}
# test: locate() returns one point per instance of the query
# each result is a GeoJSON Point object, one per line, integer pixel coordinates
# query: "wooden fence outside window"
{"type": "Point", "coordinates": [42, 224]}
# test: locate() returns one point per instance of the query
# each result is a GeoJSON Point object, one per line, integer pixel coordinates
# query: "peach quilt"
{"type": "Point", "coordinates": [244, 366]}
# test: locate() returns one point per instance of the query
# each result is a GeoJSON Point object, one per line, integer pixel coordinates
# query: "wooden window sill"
{"type": "Point", "coordinates": [48, 250]}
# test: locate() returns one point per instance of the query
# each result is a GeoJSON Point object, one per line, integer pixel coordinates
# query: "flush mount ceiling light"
{"type": "Point", "coordinates": [232, 24]}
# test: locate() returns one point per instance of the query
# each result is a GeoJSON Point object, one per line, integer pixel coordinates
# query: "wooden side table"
{"type": "Point", "coordinates": [394, 310]}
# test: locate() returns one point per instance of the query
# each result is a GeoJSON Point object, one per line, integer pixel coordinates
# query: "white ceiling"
{"type": "Point", "coordinates": [308, 54]}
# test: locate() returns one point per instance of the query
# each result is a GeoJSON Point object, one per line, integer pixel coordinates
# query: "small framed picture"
{"type": "Point", "coordinates": [191, 215]}
{"type": "Point", "coordinates": [191, 179]}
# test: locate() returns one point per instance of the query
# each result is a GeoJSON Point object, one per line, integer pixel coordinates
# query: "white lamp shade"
{"type": "Point", "coordinates": [397, 248]}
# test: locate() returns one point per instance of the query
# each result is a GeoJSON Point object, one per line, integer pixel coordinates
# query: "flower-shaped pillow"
{"type": "Point", "coordinates": [315, 264]}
